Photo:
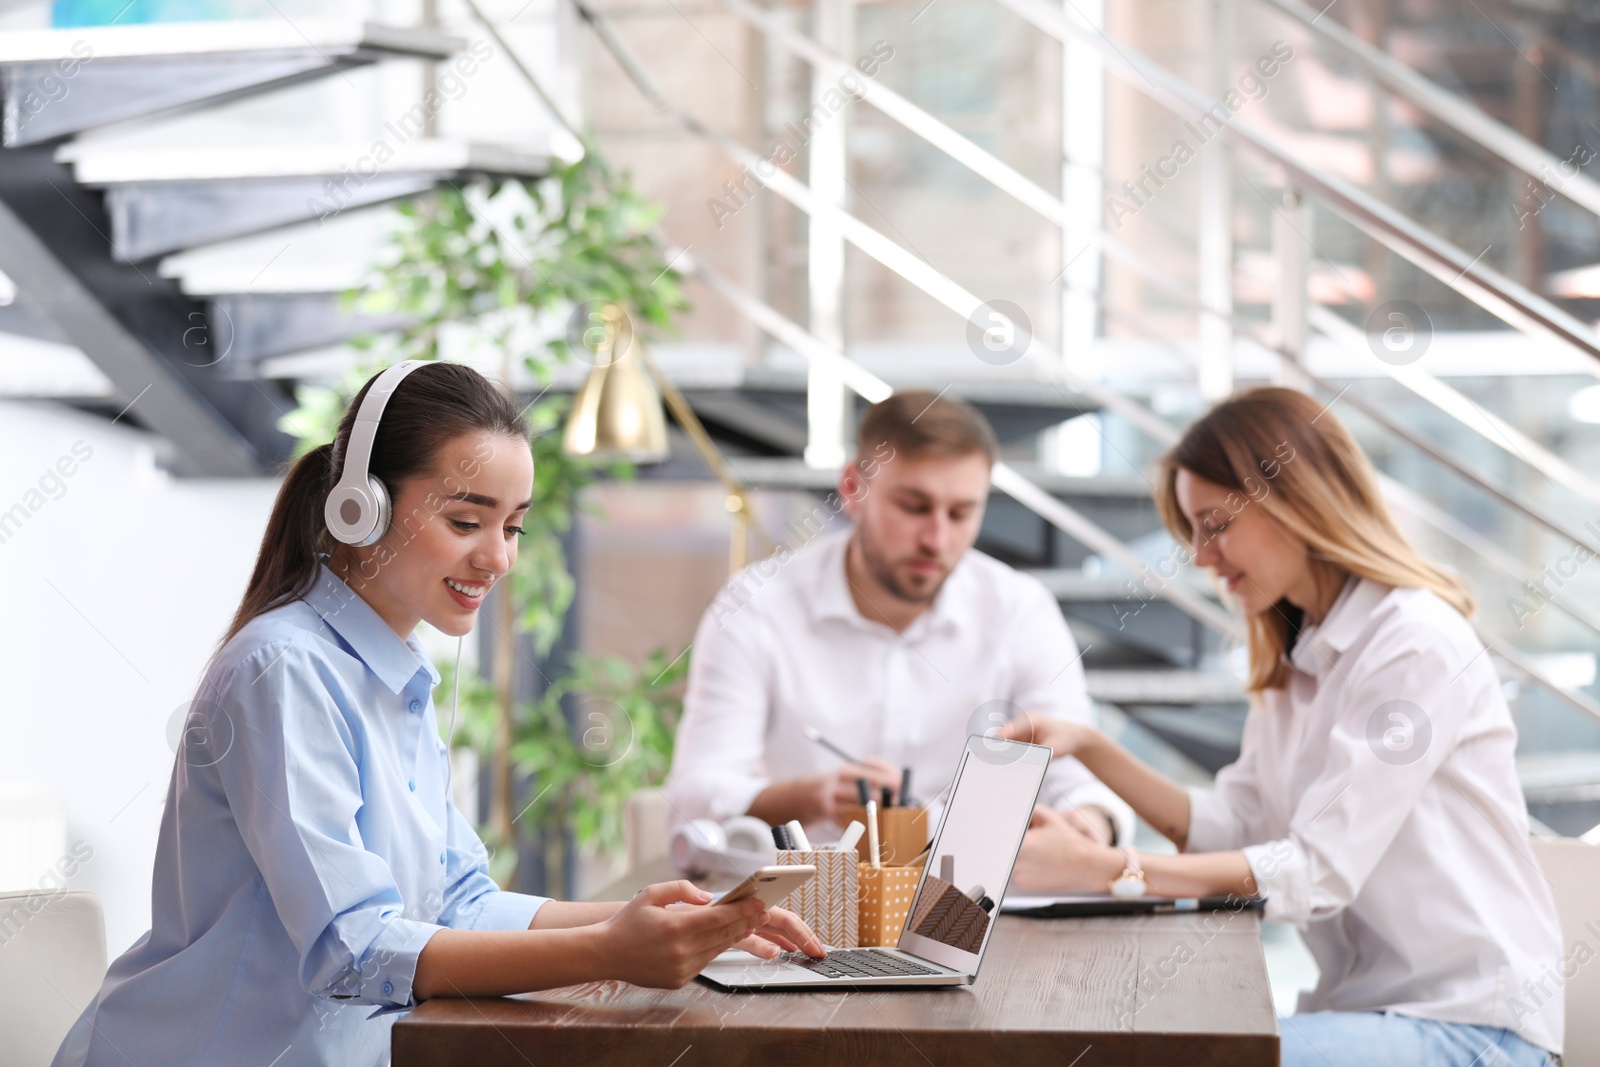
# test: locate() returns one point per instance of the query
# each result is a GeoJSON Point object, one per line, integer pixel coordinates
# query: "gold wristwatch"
{"type": "Point", "coordinates": [1130, 883]}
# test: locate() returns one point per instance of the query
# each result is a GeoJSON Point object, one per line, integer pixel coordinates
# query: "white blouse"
{"type": "Point", "coordinates": [1376, 800]}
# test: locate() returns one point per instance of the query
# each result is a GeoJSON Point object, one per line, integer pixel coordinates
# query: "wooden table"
{"type": "Point", "coordinates": [1164, 990]}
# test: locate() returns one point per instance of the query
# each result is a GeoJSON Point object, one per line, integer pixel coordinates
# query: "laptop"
{"type": "Point", "coordinates": [957, 899]}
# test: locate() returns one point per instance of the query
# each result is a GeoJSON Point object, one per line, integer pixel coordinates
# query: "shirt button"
{"type": "Point", "coordinates": [441, 857]}
{"type": "Point", "coordinates": [416, 705]}
{"type": "Point", "coordinates": [412, 784]}
{"type": "Point", "coordinates": [388, 989]}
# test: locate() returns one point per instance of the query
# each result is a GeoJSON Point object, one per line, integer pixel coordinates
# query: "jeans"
{"type": "Point", "coordinates": [1375, 1039]}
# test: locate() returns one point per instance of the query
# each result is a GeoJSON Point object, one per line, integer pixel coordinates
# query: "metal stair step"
{"type": "Point", "coordinates": [60, 82]}
{"type": "Point", "coordinates": [165, 200]}
{"type": "Point", "coordinates": [330, 257]}
{"type": "Point", "coordinates": [250, 327]}
{"type": "Point", "coordinates": [1073, 586]}
{"type": "Point", "coordinates": [1152, 687]}
{"type": "Point", "coordinates": [790, 473]}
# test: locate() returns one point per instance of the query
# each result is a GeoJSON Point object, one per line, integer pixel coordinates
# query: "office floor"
{"type": "Point", "coordinates": [1289, 964]}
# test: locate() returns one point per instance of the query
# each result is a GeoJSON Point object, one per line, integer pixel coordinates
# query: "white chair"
{"type": "Point", "coordinates": [52, 961]}
{"type": "Point", "coordinates": [1573, 868]}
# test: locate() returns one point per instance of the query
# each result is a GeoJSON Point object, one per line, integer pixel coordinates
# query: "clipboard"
{"type": "Point", "coordinates": [1072, 905]}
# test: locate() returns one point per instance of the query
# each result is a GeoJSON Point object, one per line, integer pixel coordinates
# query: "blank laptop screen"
{"type": "Point", "coordinates": [970, 863]}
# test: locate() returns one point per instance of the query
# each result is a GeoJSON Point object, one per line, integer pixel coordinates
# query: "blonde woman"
{"type": "Point", "coordinates": [1375, 800]}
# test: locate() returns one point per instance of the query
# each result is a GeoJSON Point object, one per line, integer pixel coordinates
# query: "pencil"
{"type": "Point", "coordinates": [872, 833]}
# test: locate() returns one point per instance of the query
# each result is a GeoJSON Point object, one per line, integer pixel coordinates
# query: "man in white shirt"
{"type": "Point", "coordinates": [894, 639]}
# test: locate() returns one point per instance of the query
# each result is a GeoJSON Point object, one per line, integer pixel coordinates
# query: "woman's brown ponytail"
{"type": "Point", "coordinates": [286, 565]}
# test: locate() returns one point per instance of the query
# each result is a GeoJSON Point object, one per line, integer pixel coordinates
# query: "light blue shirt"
{"type": "Point", "coordinates": [308, 851]}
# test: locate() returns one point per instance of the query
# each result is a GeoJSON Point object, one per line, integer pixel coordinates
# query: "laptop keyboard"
{"type": "Point", "coordinates": [859, 963]}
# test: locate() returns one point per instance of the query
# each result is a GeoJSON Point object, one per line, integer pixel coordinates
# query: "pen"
{"type": "Point", "coordinates": [852, 834]}
{"type": "Point", "coordinates": [777, 836]}
{"type": "Point", "coordinates": [872, 833]}
{"type": "Point", "coordinates": [864, 791]}
{"type": "Point", "coordinates": [816, 735]}
{"type": "Point", "coordinates": [888, 798]}
{"type": "Point", "coordinates": [797, 834]}
{"type": "Point", "coordinates": [905, 787]}
{"type": "Point", "coordinates": [780, 834]}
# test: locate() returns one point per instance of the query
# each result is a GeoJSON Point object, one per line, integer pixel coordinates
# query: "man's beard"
{"type": "Point", "coordinates": [883, 573]}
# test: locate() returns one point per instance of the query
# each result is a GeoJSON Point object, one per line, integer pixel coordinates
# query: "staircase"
{"type": "Point", "coordinates": [110, 169]}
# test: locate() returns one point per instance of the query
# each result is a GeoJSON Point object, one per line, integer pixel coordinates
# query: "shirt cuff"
{"type": "Point", "coordinates": [503, 910]}
{"type": "Point", "coordinates": [1280, 872]}
{"type": "Point", "coordinates": [1212, 824]}
{"type": "Point", "coordinates": [1099, 795]}
{"type": "Point", "coordinates": [387, 971]}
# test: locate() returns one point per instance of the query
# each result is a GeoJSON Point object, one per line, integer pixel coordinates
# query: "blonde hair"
{"type": "Point", "coordinates": [1291, 457]}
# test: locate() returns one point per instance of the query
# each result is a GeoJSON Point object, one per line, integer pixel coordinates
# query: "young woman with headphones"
{"type": "Point", "coordinates": [312, 876]}
{"type": "Point", "coordinates": [1375, 801]}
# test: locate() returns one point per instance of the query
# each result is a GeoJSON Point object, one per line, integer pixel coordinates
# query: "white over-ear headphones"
{"type": "Point", "coordinates": [357, 510]}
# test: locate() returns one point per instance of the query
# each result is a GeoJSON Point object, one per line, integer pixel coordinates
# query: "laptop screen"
{"type": "Point", "coordinates": [967, 869]}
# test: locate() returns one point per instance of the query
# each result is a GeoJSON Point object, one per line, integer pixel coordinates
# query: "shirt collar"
{"type": "Point", "coordinates": [833, 600]}
{"type": "Point", "coordinates": [374, 641]}
{"type": "Point", "coordinates": [1349, 617]}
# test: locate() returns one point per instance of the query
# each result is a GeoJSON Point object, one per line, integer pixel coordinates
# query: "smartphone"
{"type": "Point", "coordinates": [770, 884]}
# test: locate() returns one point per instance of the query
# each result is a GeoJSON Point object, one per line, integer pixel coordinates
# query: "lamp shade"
{"type": "Point", "coordinates": [617, 414]}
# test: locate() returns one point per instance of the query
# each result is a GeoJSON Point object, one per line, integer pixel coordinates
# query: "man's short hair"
{"type": "Point", "coordinates": [919, 421]}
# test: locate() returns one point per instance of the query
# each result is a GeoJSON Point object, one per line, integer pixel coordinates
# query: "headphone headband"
{"type": "Point", "coordinates": [357, 510]}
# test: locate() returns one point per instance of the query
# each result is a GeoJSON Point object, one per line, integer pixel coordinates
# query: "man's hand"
{"type": "Point", "coordinates": [821, 797]}
{"type": "Point", "coordinates": [1055, 855]}
{"type": "Point", "coordinates": [837, 789]}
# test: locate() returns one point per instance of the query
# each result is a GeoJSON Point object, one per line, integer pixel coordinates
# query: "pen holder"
{"type": "Point", "coordinates": [827, 903]}
{"type": "Point", "coordinates": [902, 833]}
{"type": "Point", "coordinates": [885, 900]}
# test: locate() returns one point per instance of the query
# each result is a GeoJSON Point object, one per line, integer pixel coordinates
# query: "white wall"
{"type": "Point", "coordinates": [115, 594]}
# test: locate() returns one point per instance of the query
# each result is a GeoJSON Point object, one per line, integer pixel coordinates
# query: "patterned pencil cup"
{"type": "Point", "coordinates": [902, 833]}
{"type": "Point", "coordinates": [886, 894]}
{"type": "Point", "coordinates": [827, 903]}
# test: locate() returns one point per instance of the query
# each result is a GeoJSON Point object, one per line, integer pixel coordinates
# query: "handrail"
{"type": "Point", "coordinates": [1468, 275]}
{"type": "Point", "coordinates": [1460, 115]}
{"type": "Point", "coordinates": [1032, 195]}
{"type": "Point", "coordinates": [958, 147]}
{"type": "Point", "coordinates": [1447, 399]}
{"type": "Point", "coordinates": [1430, 388]}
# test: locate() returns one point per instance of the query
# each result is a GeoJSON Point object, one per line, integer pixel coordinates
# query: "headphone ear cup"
{"type": "Point", "coordinates": [348, 513]}
{"type": "Point", "coordinates": [380, 525]}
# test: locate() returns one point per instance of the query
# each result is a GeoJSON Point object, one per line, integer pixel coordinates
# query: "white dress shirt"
{"type": "Point", "coordinates": [783, 647]}
{"type": "Point", "coordinates": [1376, 800]}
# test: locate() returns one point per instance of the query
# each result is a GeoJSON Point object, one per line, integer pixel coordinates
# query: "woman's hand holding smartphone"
{"type": "Point", "coordinates": [649, 942]}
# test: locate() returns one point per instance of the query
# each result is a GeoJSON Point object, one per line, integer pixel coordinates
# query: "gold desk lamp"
{"type": "Point", "coordinates": [617, 415]}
